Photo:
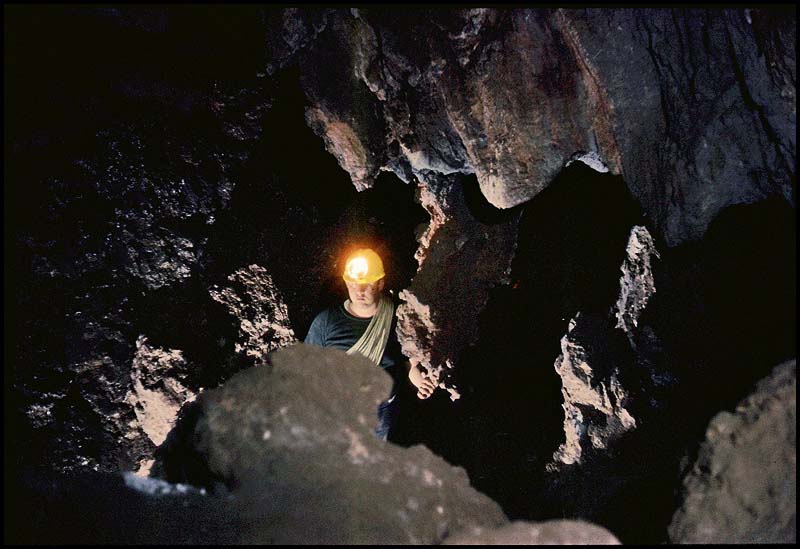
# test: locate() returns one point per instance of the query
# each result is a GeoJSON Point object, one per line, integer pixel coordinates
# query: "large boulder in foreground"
{"type": "Point", "coordinates": [294, 441]}
{"type": "Point", "coordinates": [743, 486]}
{"type": "Point", "coordinates": [551, 532]}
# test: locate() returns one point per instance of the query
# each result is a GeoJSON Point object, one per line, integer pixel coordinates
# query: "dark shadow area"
{"type": "Point", "coordinates": [572, 240]}
{"type": "Point", "coordinates": [724, 315]}
{"type": "Point", "coordinates": [184, 316]}
{"type": "Point", "coordinates": [289, 195]}
{"type": "Point", "coordinates": [726, 308]}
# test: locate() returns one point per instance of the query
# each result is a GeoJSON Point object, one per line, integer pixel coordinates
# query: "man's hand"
{"type": "Point", "coordinates": [425, 386]}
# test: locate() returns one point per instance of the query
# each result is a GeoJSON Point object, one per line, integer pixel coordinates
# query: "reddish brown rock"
{"type": "Point", "coordinates": [513, 95]}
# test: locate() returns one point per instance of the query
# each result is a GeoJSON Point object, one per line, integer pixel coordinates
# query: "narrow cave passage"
{"type": "Point", "coordinates": [572, 240]}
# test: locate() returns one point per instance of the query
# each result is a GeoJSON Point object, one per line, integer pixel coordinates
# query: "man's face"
{"type": "Point", "coordinates": [365, 295]}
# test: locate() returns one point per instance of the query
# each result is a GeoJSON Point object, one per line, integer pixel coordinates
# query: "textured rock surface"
{"type": "Point", "coordinates": [553, 532]}
{"type": "Point", "coordinates": [513, 95]}
{"type": "Point", "coordinates": [594, 405]}
{"type": "Point", "coordinates": [636, 284]}
{"type": "Point", "coordinates": [136, 183]}
{"type": "Point", "coordinates": [461, 257]}
{"type": "Point", "coordinates": [294, 441]}
{"type": "Point", "coordinates": [110, 230]}
{"type": "Point", "coordinates": [157, 393]}
{"type": "Point", "coordinates": [743, 486]}
{"type": "Point", "coordinates": [257, 304]}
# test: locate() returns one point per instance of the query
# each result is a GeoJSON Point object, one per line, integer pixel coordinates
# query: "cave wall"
{"type": "Point", "coordinates": [515, 94]}
{"type": "Point", "coordinates": [694, 108]}
{"type": "Point", "coordinates": [172, 213]}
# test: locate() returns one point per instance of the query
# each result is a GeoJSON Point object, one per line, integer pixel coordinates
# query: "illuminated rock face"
{"type": "Point", "coordinates": [461, 256]}
{"type": "Point", "coordinates": [595, 400]}
{"type": "Point", "coordinates": [254, 300]}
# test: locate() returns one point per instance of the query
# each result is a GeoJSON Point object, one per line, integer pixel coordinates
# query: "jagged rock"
{"type": "Point", "coordinates": [292, 31]}
{"type": "Point", "coordinates": [294, 440]}
{"type": "Point", "coordinates": [594, 405]}
{"type": "Point", "coordinates": [117, 177]}
{"type": "Point", "coordinates": [513, 95]}
{"type": "Point", "coordinates": [461, 258]}
{"type": "Point", "coordinates": [125, 213]}
{"type": "Point", "coordinates": [455, 95]}
{"type": "Point", "coordinates": [636, 287]}
{"type": "Point", "coordinates": [743, 486]}
{"type": "Point", "coordinates": [553, 532]}
{"type": "Point", "coordinates": [263, 319]}
{"type": "Point", "coordinates": [157, 393]}
{"type": "Point", "coordinates": [161, 260]}
{"type": "Point", "coordinates": [636, 284]}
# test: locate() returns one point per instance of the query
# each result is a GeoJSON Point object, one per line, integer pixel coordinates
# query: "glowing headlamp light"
{"type": "Point", "coordinates": [363, 266]}
{"type": "Point", "coordinates": [357, 268]}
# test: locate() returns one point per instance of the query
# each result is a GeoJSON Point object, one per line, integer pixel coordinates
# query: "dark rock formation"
{"type": "Point", "coordinates": [196, 144]}
{"type": "Point", "coordinates": [591, 366]}
{"type": "Point", "coordinates": [515, 94]}
{"type": "Point", "coordinates": [294, 441]}
{"type": "Point", "coordinates": [87, 508]}
{"type": "Point", "coordinates": [743, 486]}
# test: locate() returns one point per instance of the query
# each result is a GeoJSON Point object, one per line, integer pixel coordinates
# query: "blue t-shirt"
{"type": "Point", "coordinates": [335, 327]}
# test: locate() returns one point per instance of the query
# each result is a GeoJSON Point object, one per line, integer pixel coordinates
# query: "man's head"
{"type": "Point", "coordinates": [364, 276]}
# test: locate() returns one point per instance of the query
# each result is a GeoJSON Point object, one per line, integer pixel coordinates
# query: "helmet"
{"type": "Point", "coordinates": [363, 266]}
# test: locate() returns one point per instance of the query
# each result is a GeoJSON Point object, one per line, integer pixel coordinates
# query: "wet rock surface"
{"type": "Point", "coordinates": [743, 486]}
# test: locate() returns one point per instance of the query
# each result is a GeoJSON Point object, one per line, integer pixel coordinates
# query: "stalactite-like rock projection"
{"type": "Point", "coordinates": [172, 218]}
{"type": "Point", "coordinates": [594, 397]}
{"type": "Point", "coordinates": [438, 317]}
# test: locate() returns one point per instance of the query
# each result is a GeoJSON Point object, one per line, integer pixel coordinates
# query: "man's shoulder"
{"type": "Point", "coordinates": [329, 313]}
